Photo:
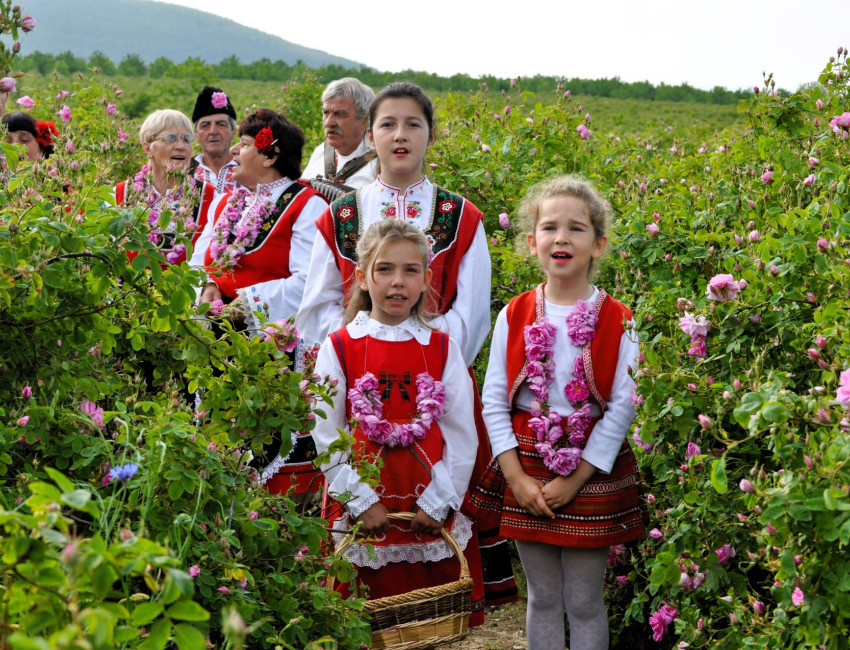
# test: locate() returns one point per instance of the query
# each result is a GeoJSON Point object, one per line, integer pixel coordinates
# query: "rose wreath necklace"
{"type": "Point", "coordinates": [174, 201]}
{"type": "Point", "coordinates": [367, 409]}
{"type": "Point", "coordinates": [244, 231]}
{"type": "Point", "coordinates": [559, 440]}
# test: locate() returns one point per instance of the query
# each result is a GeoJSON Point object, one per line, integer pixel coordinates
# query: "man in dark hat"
{"type": "Point", "coordinates": [215, 124]}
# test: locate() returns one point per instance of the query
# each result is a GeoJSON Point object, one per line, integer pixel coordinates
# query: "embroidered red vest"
{"type": "Point", "coordinates": [268, 257]}
{"type": "Point", "coordinates": [599, 355]}
{"type": "Point", "coordinates": [201, 213]}
{"type": "Point", "coordinates": [454, 222]}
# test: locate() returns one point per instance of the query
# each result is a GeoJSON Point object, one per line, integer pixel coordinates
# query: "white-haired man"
{"type": "Point", "coordinates": [344, 157]}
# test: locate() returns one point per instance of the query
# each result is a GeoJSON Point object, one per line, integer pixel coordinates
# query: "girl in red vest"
{"type": "Point", "coordinates": [557, 403]}
{"type": "Point", "coordinates": [406, 388]}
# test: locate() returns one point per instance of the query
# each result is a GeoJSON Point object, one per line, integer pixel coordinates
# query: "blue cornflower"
{"type": "Point", "coordinates": [123, 472]}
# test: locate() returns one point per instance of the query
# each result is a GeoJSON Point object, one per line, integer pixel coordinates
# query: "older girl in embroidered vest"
{"type": "Point", "coordinates": [557, 403]}
{"type": "Point", "coordinates": [401, 132]}
{"type": "Point", "coordinates": [406, 392]}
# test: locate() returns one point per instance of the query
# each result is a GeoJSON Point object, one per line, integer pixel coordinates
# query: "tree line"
{"type": "Point", "coordinates": [132, 65]}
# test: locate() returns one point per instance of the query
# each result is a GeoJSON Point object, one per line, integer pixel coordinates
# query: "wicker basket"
{"type": "Point", "coordinates": [422, 618]}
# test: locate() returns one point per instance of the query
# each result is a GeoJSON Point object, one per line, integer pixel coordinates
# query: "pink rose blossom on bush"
{"type": "Point", "coordinates": [798, 597]}
{"type": "Point", "coordinates": [110, 109]}
{"type": "Point", "coordinates": [26, 392]}
{"type": "Point", "coordinates": [660, 621]}
{"type": "Point", "coordinates": [65, 113]}
{"type": "Point", "coordinates": [809, 180]}
{"type": "Point", "coordinates": [656, 534]}
{"type": "Point", "coordinates": [7, 85]}
{"type": "Point", "coordinates": [705, 421]}
{"type": "Point", "coordinates": [25, 101]}
{"type": "Point", "coordinates": [722, 287]}
{"type": "Point", "coordinates": [28, 23]}
{"type": "Point", "coordinates": [93, 411]}
{"type": "Point", "coordinates": [223, 590]}
{"type": "Point", "coordinates": [692, 450]}
{"type": "Point", "coordinates": [652, 228]}
{"type": "Point", "coordinates": [725, 554]}
{"type": "Point", "coordinates": [746, 486]}
{"type": "Point", "coordinates": [195, 571]}
{"type": "Point", "coordinates": [767, 178]}
{"type": "Point", "coordinates": [583, 131]}
{"type": "Point", "coordinates": [819, 104]}
{"type": "Point", "coordinates": [23, 421]}
{"type": "Point", "coordinates": [283, 334]}
{"type": "Point", "coordinates": [823, 244]}
{"type": "Point", "coordinates": [694, 326]}
{"type": "Point", "coordinates": [842, 395]}
{"type": "Point", "coordinates": [504, 220]}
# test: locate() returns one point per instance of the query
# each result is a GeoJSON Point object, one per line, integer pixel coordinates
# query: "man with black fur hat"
{"type": "Point", "coordinates": [215, 124]}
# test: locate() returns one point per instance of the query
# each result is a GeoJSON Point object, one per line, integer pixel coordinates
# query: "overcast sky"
{"type": "Point", "coordinates": [710, 43]}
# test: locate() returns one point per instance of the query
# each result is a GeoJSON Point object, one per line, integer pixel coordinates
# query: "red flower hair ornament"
{"type": "Point", "coordinates": [264, 140]}
{"type": "Point", "coordinates": [44, 132]}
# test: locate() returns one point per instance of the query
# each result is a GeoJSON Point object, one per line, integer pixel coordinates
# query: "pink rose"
{"type": "Point", "coordinates": [65, 113]}
{"type": "Point", "coordinates": [504, 220]}
{"type": "Point", "coordinates": [694, 326]}
{"type": "Point", "coordinates": [767, 178]}
{"type": "Point", "coordinates": [797, 597]}
{"type": "Point", "coordinates": [660, 621]}
{"type": "Point", "coordinates": [652, 228]}
{"type": "Point", "coordinates": [746, 486]}
{"type": "Point", "coordinates": [7, 85]}
{"type": "Point", "coordinates": [28, 23]}
{"type": "Point", "coordinates": [25, 101]}
{"type": "Point", "coordinates": [93, 411]}
{"type": "Point", "coordinates": [842, 395]}
{"type": "Point", "coordinates": [195, 571]}
{"type": "Point", "coordinates": [692, 450]}
{"type": "Point", "coordinates": [110, 109]}
{"type": "Point", "coordinates": [219, 100]}
{"type": "Point", "coordinates": [725, 554]}
{"type": "Point", "coordinates": [722, 287]}
{"type": "Point", "coordinates": [26, 392]}
{"type": "Point", "coordinates": [23, 421]}
{"type": "Point", "coordinates": [283, 334]}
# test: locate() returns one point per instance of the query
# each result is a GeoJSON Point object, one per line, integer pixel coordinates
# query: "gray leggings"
{"type": "Point", "coordinates": [565, 579]}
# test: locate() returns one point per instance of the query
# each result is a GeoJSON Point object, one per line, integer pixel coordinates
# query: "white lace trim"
{"type": "Point", "coordinates": [275, 466]}
{"type": "Point", "coordinates": [360, 555]}
{"type": "Point", "coordinates": [364, 504]}
{"type": "Point", "coordinates": [437, 514]}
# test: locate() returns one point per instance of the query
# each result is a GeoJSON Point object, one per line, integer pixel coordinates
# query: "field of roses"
{"type": "Point", "coordinates": [129, 517]}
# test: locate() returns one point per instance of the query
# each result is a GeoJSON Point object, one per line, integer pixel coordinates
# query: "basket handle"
{"type": "Point", "coordinates": [408, 516]}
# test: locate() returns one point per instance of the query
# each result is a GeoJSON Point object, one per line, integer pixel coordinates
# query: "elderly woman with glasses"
{"type": "Point", "coordinates": [162, 184]}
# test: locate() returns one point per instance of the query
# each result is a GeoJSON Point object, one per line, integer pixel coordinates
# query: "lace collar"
{"type": "Point", "coordinates": [363, 325]}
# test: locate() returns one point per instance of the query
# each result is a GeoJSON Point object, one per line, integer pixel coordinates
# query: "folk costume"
{"type": "Point", "coordinates": [364, 172]}
{"type": "Point", "coordinates": [609, 509]}
{"type": "Point", "coordinates": [142, 190]}
{"type": "Point", "coordinates": [222, 182]}
{"type": "Point", "coordinates": [431, 473]}
{"type": "Point", "coordinates": [461, 281]}
{"type": "Point", "coordinates": [270, 273]}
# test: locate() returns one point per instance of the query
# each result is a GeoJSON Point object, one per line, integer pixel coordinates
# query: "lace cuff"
{"type": "Point", "coordinates": [361, 505]}
{"type": "Point", "coordinates": [437, 514]}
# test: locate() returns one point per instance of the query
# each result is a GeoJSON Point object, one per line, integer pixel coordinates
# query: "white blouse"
{"type": "Point", "coordinates": [608, 434]}
{"type": "Point", "coordinates": [282, 295]}
{"type": "Point", "coordinates": [468, 320]}
{"type": "Point", "coordinates": [449, 476]}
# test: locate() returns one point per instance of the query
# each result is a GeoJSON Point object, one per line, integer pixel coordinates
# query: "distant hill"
{"type": "Point", "coordinates": [155, 29]}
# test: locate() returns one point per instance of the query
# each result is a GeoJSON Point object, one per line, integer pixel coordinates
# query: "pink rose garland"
{"type": "Point", "coordinates": [367, 410]}
{"type": "Point", "coordinates": [559, 441]}
{"type": "Point", "coordinates": [233, 234]}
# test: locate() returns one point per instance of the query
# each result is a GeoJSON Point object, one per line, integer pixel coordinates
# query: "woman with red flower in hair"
{"type": "Point", "coordinates": [36, 136]}
{"type": "Point", "coordinates": [256, 248]}
{"type": "Point", "coordinates": [257, 245]}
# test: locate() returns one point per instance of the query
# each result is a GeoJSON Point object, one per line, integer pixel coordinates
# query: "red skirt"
{"type": "Point", "coordinates": [609, 509]}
